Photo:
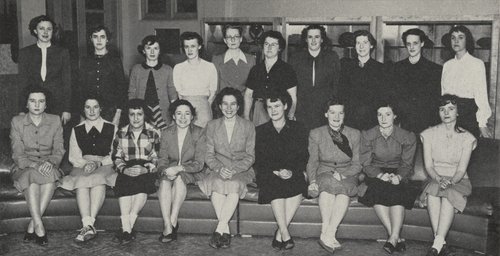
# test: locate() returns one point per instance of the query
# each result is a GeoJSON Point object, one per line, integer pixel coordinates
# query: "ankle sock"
{"type": "Point", "coordinates": [438, 243]}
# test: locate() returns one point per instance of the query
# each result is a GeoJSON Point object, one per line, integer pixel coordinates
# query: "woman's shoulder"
{"type": "Point", "coordinates": [371, 133]}
{"type": "Point", "coordinates": [245, 123]}
{"type": "Point", "coordinates": [349, 131]}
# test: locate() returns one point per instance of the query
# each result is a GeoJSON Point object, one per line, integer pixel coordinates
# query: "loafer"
{"type": "Point", "coordinates": [126, 238]}
{"type": "Point", "coordinates": [401, 246]}
{"type": "Point", "coordinates": [29, 237]}
{"type": "Point", "coordinates": [166, 238]}
{"type": "Point", "coordinates": [326, 247]}
{"type": "Point", "coordinates": [288, 244]}
{"type": "Point", "coordinates": [389, 248]}
{"type": "Point", "coordinates": [215, 240]}
{"type": "Point", "coordinates": [225, 240]}
{"type": "Point", "coordinates": [42, 240]}
{"type": "Point", "coordinates": [277, 245]}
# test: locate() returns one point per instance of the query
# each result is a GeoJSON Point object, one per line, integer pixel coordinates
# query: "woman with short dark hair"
{"type": "Point", "coordinates": [196, 79]}
{"type": "Point", "coordinates": [37, 151]}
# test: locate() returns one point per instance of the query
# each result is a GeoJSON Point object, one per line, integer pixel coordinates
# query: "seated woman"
{"type": "Point", "coordinates": [230, 156]}
{"type": "Point", "coordinates": [182, 157]}
{"type": "Point", "coordinates": [135, 150]}
{"type": "Point", "coordinates": [90, 154]}
{"type": "Point", "coordinates": [447, 150]}
{"type": "Point", "coordinates": [333, 169]}
{"type": "Point", "coordinates": [387, 153]}
{"type": "Point", "coordinates": [37, 151]}
{"type": "Point", "coordinates": [280, 162]}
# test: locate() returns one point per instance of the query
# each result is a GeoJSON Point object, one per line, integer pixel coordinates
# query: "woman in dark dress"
{"type": "Point", "coordinates": [37, 151]}
{"type": "Point", "coordinates": [387, 153]}
{"type": "Point", "coordinates": [182, 156]}
{"type": "Point", "coordinates": [362, 82]}
{"type": "Point", "coordinates": [333, 169]}
{"type": "Point", "coordinates": [271, 74]}
{"type": "Point", "coordinates": [47, 65]}
{"type": "Point", "coordinates": [101, 74]}
{"type": "Point", "coordinates": [280, 162]}
{"type": "Point", "coordinates": [90, 154]}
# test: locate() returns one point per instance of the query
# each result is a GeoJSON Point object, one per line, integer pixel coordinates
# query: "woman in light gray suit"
{"type": "Point", "coordinates": [181, 160]}
{"type": "Point", "coordinates": [332, 170]}
{"type": "Point", "coordinates": [230, 156]}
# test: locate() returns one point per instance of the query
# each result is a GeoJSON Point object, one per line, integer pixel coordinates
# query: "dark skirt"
{"type": "Point", "coordinates": [277, 188]}
{"type": "Point", "coordinates": [126, 185]}
{"type": "Point", "coordinates": [467, 109]}
{"type": "Point", "coordinates": [387, 194]}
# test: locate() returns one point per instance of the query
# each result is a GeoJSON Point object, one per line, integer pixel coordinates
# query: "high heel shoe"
{"type": "Point", "coordinates": [41, 240]}
{"type": "Point", "coordinates": [29, 237]}
{"type": "Point", "coordinates": [401, 246]}
{"type": "Point", "coordinates": [174, 231]}
{"type": "Point", "coordinates": [277, 245]}
{"type": "Point", "coordinates": [166, 238]}
{"type": "Point", "coordinates": [288, 244]}
{"type": "Point", "coordinates": [389, 248]}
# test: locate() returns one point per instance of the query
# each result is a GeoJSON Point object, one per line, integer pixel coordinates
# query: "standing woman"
{"type": "Point", "coordinates": [37, 150]}
{"type": "Point", "coordinates": [90, 153]}
{"type": "Point", "coordinates": [181, 159]}
{"type": "Point", "coordinates": [362, 82]}
{"type": "Point", "coordinates": [447, 150]}
{"type": "Point", "coordinates": [153, 82]}
{"type": "Point", "coordinates": [387, 154]}
{"type": "Point", "coordinates": [101, 74]}
{"type": "Point", "coordinates": [196, 78]}
{"type": "Point", "coordinates": [271, 74]}
{"type": "Point", "coordinates": [47, 65]}
{"type": "Point", "coordinates": [280, 162]}
{"type": "Point", "coordinates": [465, 77]}
{"type": "Point", "coordinates": [333, 169]}
{"type": "Point", "coordinates": [230, 156]}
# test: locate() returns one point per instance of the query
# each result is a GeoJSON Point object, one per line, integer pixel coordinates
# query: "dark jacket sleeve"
{"type": "Point", "coordinates": [66, 79]}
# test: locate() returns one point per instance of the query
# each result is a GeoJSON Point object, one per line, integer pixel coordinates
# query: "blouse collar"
{"type": "Point", "coordinates": [98, 124]}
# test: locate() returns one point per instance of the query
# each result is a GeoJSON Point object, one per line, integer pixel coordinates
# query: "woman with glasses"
{"type": "Point", "coordinates": [196, 79]}
{"type": "Point", "coordinates": [271, 74]}
{"type": "Point", "coordinates": [447, 150]}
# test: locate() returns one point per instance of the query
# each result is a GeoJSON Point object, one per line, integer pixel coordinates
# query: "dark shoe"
{"type": "Point", "coordinates": [445, 251]}
{"type": "Point", "coordinates": [41, 240]}
{"type": "Point", "coordinates": [174, 231]}
{"type": "Point", "coordinates": [432, 252]}
{"type": "Point", "coordinates": [215, 240]}
{"type": "Point", "coordinates": [289, 244]}
{"type": "Point", "coordinates": [225, 240]}
{"type": "Point", "coordinates": [401, 246]}
{"type": "Point", "coordinates": [389, 248]}
{"type": "Point", "coordinates": [29, 237]}
{"type": "Point", "coordinates": [277, 245]}
{"type": "Point", "coordinates": [126, 238]}
{"type": "Point", "coordinates": [166, 238]}
{"type": "Point", "coordinates": [326, 247]}
{"type": "Point", "coordinates": [133, 234]}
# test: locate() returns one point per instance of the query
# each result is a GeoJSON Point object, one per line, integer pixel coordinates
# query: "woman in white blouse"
{"type": "Point", "coordinates": [196, 79]}
{"type": "Point", "coordinates": [465, 77]}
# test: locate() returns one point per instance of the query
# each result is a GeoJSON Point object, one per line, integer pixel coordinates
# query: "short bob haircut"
{"type": "Point", "coordinates": [38, 89]}
{"type": "Point", "coordinates": [469, 39]}
{"type": "Point", "coordinates": [232, 26]}
{"type": "Point", "coordinates": [391, 103]}
{"type": "Point", "coordinates": [275, 35]}
{"type": "Point", "coordinates": [450, 99]}
{"type": "Point", "coordinates": [35, 21]}
{"type": "Point", "coordinates": [415, 32]}
{"type": "Point", "coordinates": [332, 101]}
{"type": "Point", "coordinates": [90, 96]}
{"type": "Point", "coordinates": [98, 29]}
{"type": "Point", "coordinates": [148, 40]}
{"type": "Point", "coordinates": [281, 95]}
{"type": "Point", "coordinates": [179, 102]}
{"type": "Point", "coordinates": [366, 33]}
{"type": "Point", "coordinates": [229, 91]}
{"type": "Point", "coordinates": [188, 35]}
{"type": "Point", "coordinates": [139, 104]}
{"type": "Point", "coordinates": [303, 35]}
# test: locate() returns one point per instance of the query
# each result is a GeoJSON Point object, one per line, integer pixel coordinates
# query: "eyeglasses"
{"type": "Point", "coordinates": [232, 38]}
{"type": "Point", "coordinates": [271, 45]}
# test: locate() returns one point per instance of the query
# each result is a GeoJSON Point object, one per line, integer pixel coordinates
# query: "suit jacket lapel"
{"type": "Point", "coordinates": [175, 142]}
{"type": "Point", "coordinates": [187, 141]}
{"type": "Point", "coordinates": [236, 129]}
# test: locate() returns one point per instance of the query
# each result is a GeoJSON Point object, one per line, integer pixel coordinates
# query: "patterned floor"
{"type": "Point", "coordinates": [61, 243]}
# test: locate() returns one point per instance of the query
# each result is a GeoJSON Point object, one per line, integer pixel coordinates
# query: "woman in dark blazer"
{"type": "Point", "coordinates": [47, 65]}
{"type": "Point", "coordinates": [182, 157]}
{"type": "Point", "coordinates": [333, 169]}
{"type": "Point", "coordinates": [230, 156]}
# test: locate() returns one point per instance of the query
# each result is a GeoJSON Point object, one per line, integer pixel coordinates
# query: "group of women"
{"type": "Point", "coordinates": [170, 139]}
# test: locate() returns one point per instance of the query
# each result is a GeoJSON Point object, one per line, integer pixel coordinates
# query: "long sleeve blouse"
{"type": "Point", "coordinates": [195, 79]}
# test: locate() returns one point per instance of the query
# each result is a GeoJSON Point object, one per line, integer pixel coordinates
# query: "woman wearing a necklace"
{"type": "Point", "coordinates": [387, 153]}
{"type": "Point", "coordinates": [153, 82]}
{"type": "Point", "coordinates": [101, 74]}
{"type": "Point", "coordinates": [362, 81]}
{"type": "Point", "coordinates": [447, 150]}
{"type": "Point", "coordinates": [47, 65]}
{"type": "Point", "coordinates": [196, 79]}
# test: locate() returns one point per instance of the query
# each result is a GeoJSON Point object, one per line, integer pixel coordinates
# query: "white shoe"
{"type": "Point", "coordinates": [86, 233]}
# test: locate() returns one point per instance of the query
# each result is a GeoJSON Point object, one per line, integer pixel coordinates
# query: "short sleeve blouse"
{"type": "Point", "coordinates": [281, 76]}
